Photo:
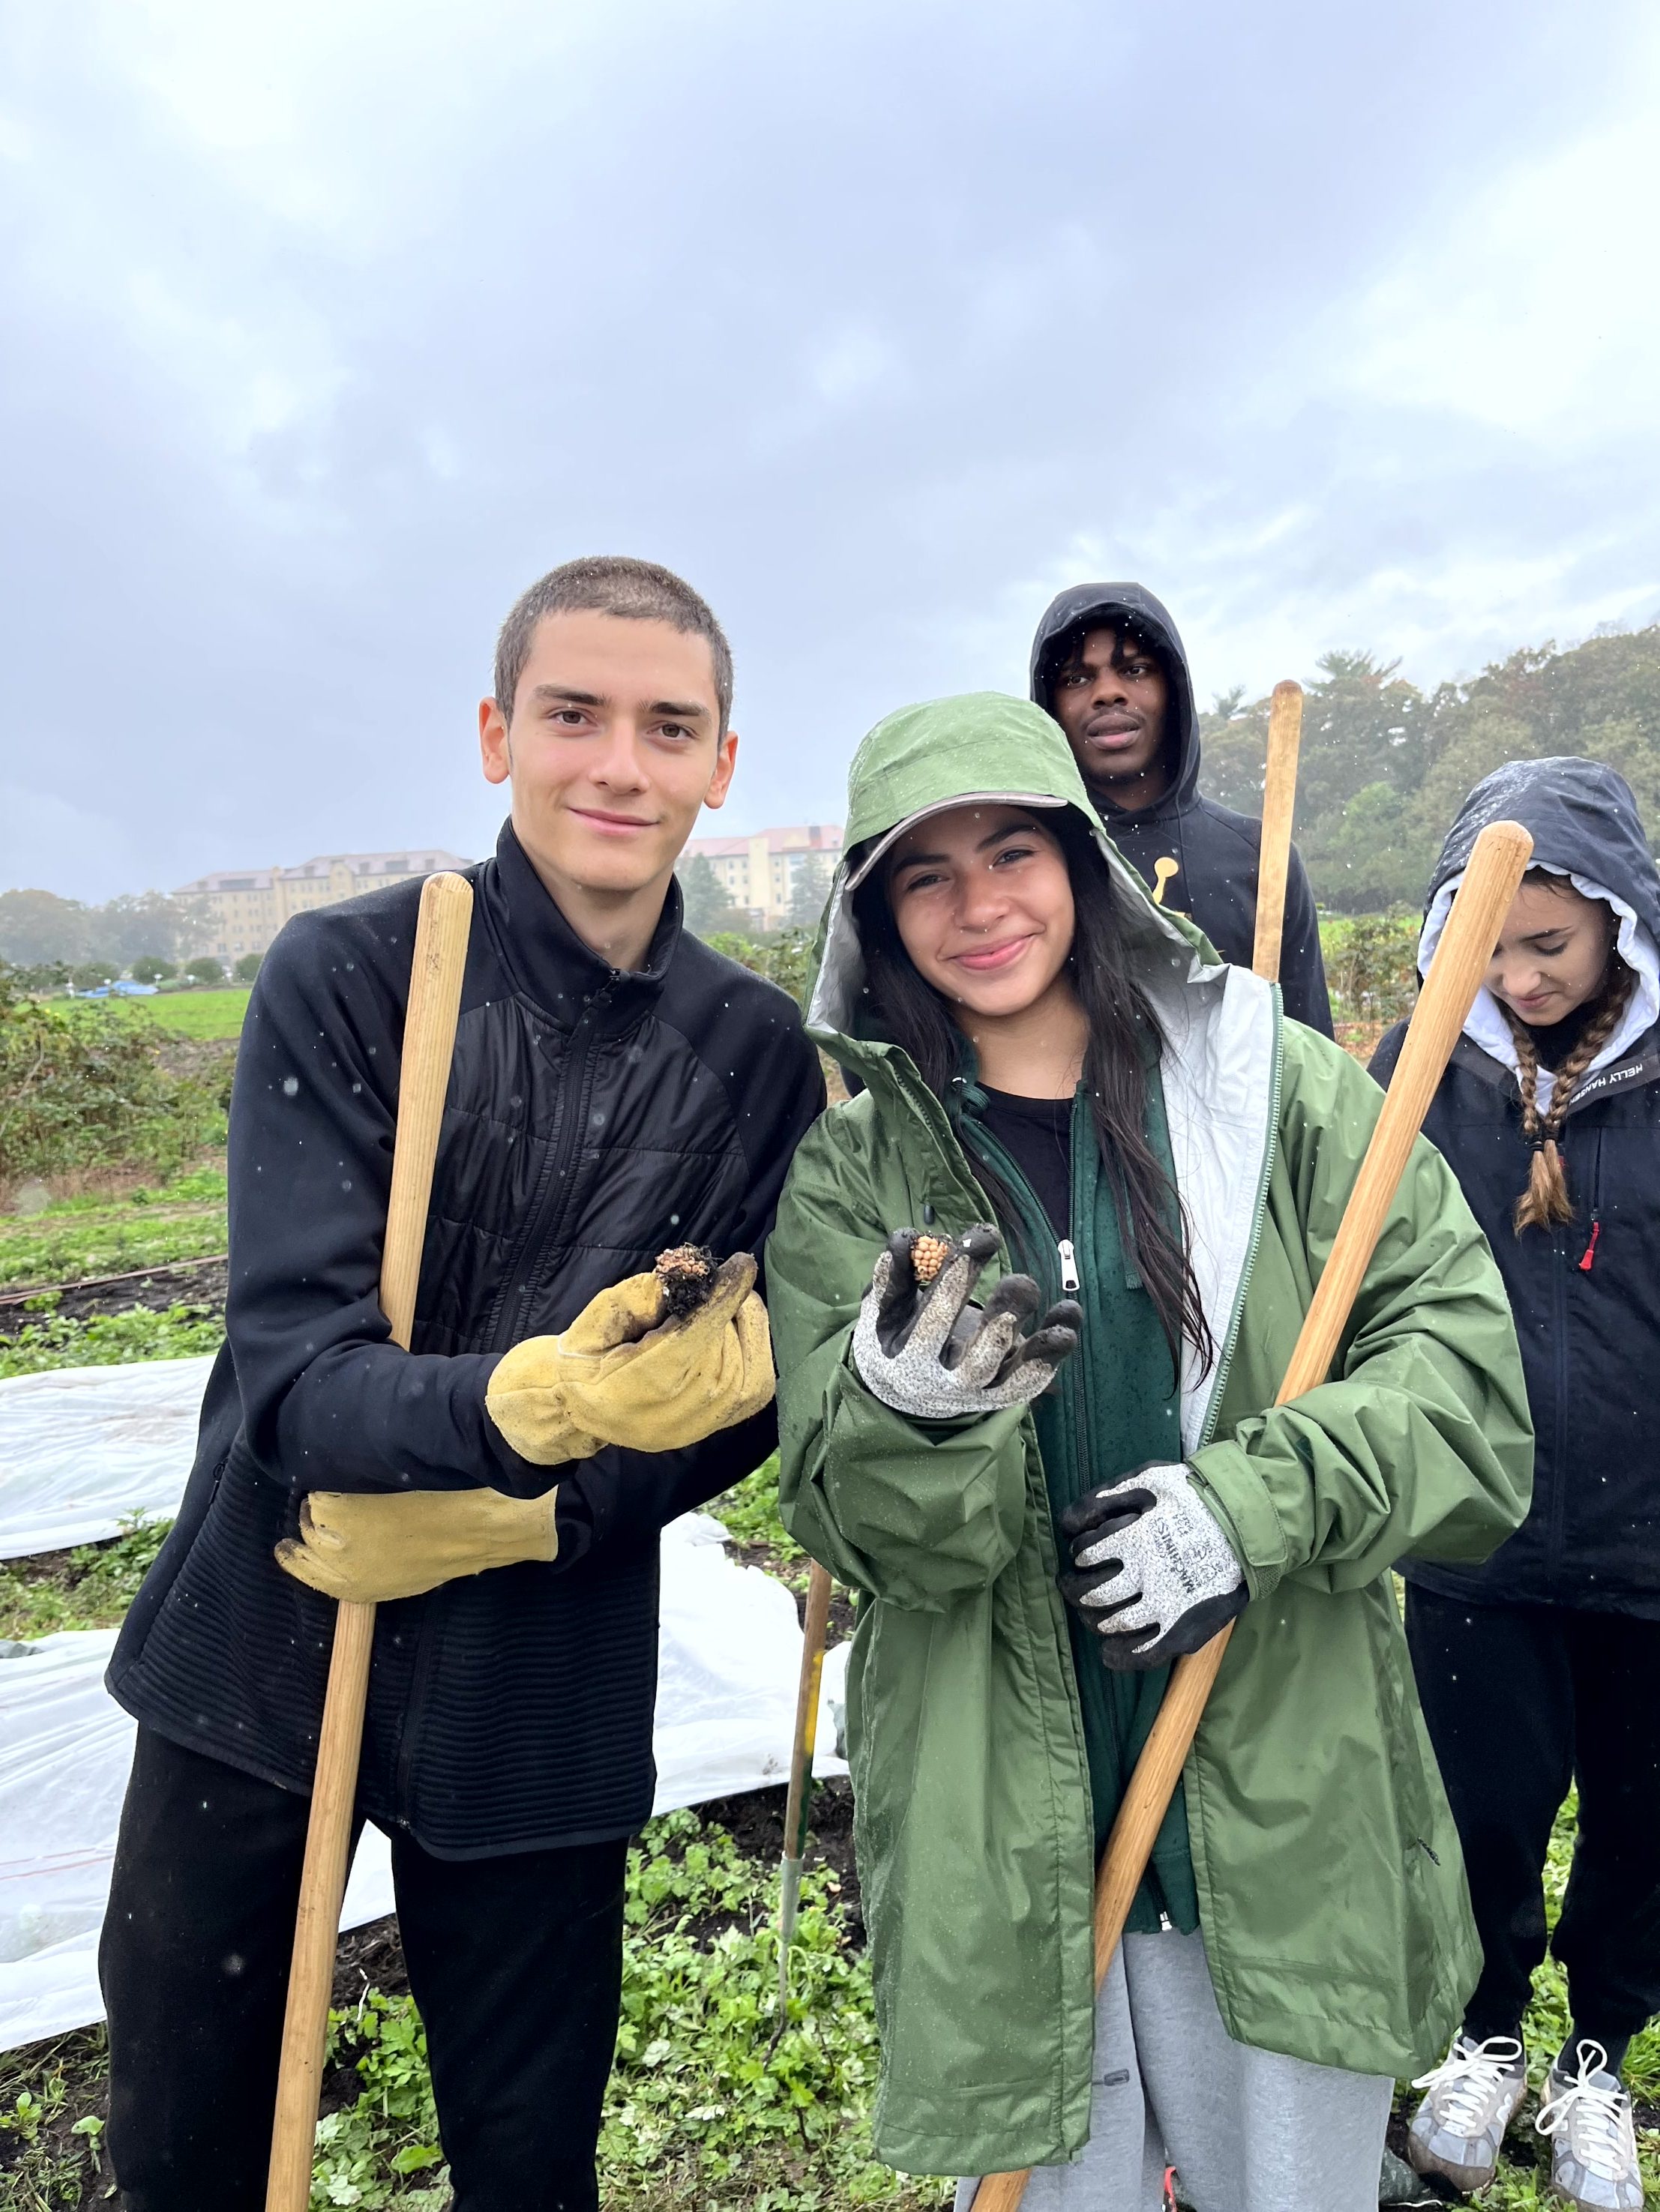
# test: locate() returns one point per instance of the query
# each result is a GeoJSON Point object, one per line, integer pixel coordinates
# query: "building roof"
{"type": "Point", "coordinates": [423, 862]}
{"type": "Point", "coordinates": [795, 837]}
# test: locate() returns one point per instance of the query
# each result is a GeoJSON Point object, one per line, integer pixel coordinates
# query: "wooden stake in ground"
{"type": "Point", "coordinates": [1501, 855]}
{"type": "Point", "coordinates": [1279, 801]}
{"type": "Point", "coordinates": [440, 957]}
{"type": "Point", "coordinates": [814, 1629]}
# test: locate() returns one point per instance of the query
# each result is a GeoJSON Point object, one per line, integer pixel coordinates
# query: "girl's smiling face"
{"type": "Point", "coordinates": [1553, 952]}
{"type": "Point", "coordinates": [982, 902]}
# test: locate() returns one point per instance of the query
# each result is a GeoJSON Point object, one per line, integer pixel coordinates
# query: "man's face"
{"type": "Point", "coordinates": [1110, 697]}
{"type": "Point", "coordinates": [612, 742]}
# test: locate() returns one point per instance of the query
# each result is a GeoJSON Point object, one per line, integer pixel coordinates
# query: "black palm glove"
{"type": "Point", "coordinates": [1155, 1576]}
{"type": "Point", "coordinates": [924, 1349]}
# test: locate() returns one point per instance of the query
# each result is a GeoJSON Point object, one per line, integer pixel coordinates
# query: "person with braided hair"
{"type": "Point", "coordinates": [1537, 1668]}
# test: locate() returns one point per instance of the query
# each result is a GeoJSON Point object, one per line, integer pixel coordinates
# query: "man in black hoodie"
{"type": "Point", "coordinates": [616, 1088]}
{"type": "Point", "coordinates": [1108, 663]}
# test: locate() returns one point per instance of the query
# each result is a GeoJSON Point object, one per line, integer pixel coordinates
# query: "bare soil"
{"type": "Point", "coordinates": [185, 1283]}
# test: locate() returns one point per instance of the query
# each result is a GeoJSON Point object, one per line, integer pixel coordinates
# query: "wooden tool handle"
{"type": "Point", "coordinates": [1279, 803]}
{"type": "Point", "coordinates": [815, 1628]}
{"type": "Point", "coordinates": [1496, 868]}
{"type": "Point", "coordinates": [1496, 865]}
{"type": "Point", "coordinates": [441, 959]}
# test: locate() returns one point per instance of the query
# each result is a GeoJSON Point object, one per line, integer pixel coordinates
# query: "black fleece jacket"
{"type": "Point", "coordinates": [1215, 850]}
{"type": "Point", "coordinates": [593, 1117]}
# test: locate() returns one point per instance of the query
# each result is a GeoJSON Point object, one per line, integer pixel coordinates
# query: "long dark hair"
{"type": "Point", "coordinates": [1123, 1037]}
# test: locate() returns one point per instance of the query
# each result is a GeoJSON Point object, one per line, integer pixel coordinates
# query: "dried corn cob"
{"type": "Point", "coordinates": [928, 1256]}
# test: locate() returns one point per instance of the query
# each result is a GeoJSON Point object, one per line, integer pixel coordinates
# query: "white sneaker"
{"type": "Point", "coordinates": [1473, 2095]}
{"type": "Point", "coordinates": [1593, 2152]}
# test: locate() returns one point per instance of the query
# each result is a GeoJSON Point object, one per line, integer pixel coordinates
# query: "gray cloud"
{"type": "Point", "coordinates": [332, 329]}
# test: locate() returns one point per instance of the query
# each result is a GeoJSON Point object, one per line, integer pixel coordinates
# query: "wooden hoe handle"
{"type": "Point", "coordinates": [441, 959]}
{"type": "Point", "coordinates": [1501, 855]}
{"type": "Point", "coordinates": [814, 1630]}
{"type": "Point", "coordinates": [1278, 800]}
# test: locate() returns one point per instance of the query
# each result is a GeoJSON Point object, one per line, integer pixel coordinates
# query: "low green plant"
{"type": "Point", "coordinates": [1372, 965]}
{"type": "Point", "coordinates": [183, 1218]}
{"type": "Point", "coordinates": [90, 1587]}
{"type": "Point", "coordinates": [368, 2149]}
{"type": "Point", "coordinates": [109, 1340]}
{"type": "Point", "coordinates": [703, 2107]}
{"type": "Point", "coordinates": [749, 1512]}
{"type": "Point", "coordinates": [80, 1089]}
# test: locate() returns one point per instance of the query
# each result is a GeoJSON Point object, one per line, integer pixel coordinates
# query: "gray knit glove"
{"type": "Point", "coordinates": [1155, 1575]}
{"type": "Point", "coordinates": [923, 1349]}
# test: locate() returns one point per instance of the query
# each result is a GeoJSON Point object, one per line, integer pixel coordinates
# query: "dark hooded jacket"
{"type": "Point", "coordinates": [1215, 850]}
{"type": "Point", "coordinates": [593, 1117]}
{"type": "Point", "coordinates": [1586, 1296]}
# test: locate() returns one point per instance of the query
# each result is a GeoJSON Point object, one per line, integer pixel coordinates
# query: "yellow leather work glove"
{"type": "Point", "coordinates": [368, 1546]}
{"type": "Point", "coordinates": [622, 1374]}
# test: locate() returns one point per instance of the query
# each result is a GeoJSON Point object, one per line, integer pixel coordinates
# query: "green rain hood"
{"type": "Point", "coordinates": [1331, 1894]}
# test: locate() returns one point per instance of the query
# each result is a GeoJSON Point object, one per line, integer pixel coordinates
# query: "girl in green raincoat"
{"type": "Point", "coordinates": [1060, 1076]}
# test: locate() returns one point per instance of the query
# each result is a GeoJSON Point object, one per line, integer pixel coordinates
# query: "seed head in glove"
{"type": "Point", "coordinates": [921, 1347]}
{"type": "Point", "coordinates": [631, 1369]}
{"type": "Point", "coordinates": [1155, 1576]}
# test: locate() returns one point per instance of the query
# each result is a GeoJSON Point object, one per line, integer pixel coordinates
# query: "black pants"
{"type": "Point", "coordinates": [515, 1964]}
{"type": "Point", "coordinates": [1521, 1700]}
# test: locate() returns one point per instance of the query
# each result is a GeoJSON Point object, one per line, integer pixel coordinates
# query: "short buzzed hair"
{"type": "Point", "coordinates": [609, 584]}
{"type": "Point", "coordinates": [1132, 636]}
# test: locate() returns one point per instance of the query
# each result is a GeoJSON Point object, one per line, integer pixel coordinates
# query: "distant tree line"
{"type": "Point", "coordinates": [1384, 766]}
{"type": "Point", "coordinates": [58, 940]}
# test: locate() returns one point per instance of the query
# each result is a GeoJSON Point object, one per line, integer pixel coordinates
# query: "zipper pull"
{"type": "Point", "coordinates": [1069, 1264]}
{"type": "Point", "coordinates": [1589, 1253]}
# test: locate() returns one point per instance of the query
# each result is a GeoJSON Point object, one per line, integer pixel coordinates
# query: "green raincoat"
{"type": "Point", "coordinates": [1330, 1887]}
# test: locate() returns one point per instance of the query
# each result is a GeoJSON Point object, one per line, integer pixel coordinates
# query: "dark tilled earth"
{"type": "Point", "coordinates": [189, 1283]}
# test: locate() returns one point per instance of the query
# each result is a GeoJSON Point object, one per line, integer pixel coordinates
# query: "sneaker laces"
{"type": "Point", "coordinates": [1465, 2082]}
{"type": "Point", "coordinates": [1598, 2120]}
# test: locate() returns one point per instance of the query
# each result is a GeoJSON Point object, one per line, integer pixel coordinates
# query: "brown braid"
{"type": "Point", "coordinates": [1545, 1201]}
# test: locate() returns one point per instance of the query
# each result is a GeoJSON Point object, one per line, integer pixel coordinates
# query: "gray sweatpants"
{"type": "Point", "coordinates": [1246, 2130]}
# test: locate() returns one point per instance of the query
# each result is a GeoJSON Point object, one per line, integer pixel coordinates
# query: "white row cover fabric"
{"type": "Point", "coordinates": [729, 1661]}
{"type": "Point", "coordinates": [82, 1448]}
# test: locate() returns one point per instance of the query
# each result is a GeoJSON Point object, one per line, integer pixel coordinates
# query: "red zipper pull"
{"type": "Point", "coordinates": [1591, 1250]}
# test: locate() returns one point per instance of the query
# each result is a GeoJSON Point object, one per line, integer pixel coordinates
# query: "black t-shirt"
{"type": "Point", "coordinates": [1037, 1134]}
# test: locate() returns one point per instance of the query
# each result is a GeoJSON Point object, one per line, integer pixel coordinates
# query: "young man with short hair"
{"type": "Point", "coordinates": [616, 1088]}
{"type": "Point", "coordinates": [1108, 663]}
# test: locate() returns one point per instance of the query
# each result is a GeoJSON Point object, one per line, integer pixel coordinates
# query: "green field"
{"type": "Point", "coordinates": [192, 1013]}
{"type": "Point", "coordinates": [183, 1219]}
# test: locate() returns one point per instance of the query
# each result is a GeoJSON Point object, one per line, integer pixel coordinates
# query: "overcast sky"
{"type": "Point", "coordinates": [331, 325]}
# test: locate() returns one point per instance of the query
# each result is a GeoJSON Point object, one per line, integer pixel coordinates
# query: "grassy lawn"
{"type": "Point", "coordinates": [75, 1237]}
{"type": "Point", "coordinates": [191, 1013]}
